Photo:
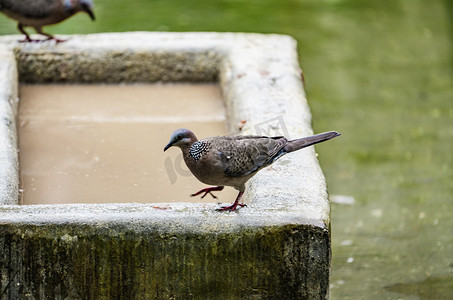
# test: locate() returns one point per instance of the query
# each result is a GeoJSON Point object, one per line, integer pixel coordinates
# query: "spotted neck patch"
{"type": "Point", "coordinates": [198, 149]}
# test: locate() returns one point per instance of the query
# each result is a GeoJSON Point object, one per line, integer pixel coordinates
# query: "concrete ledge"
{"type": "Point", "coordinates": [9, 166]}
{"type": "Point", "coordinates": [278, 247]}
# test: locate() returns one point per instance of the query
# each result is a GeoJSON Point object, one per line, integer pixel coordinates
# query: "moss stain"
{"type": "Point", "coordinates": [86, 262]}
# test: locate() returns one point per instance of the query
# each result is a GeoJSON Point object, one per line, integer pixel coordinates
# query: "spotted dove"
{"type": "Point", "coordinates": [233, 160]}
{"type": "Point", "coordinates": [39, 13]}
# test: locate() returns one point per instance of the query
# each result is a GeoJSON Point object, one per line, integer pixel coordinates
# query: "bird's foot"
{"type": "Point", "coordinates": [208, 190]}
{"type": "Point", "coordinates": [231, 207]}
{"type": "Point", "coordinates": [55, 39]}
{"type": "Point", "coordinates": [29, 40]}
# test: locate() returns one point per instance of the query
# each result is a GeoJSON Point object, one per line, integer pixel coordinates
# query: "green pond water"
{"type": "Point", "coordinates": [381, 73]}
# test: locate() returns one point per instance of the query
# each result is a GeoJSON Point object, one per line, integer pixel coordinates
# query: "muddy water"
{"type": "Point", "coordinates": [104, 143]}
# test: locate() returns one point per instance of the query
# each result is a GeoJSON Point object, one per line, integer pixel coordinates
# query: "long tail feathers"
{"type": "Point", "coordinates": [310, 140]}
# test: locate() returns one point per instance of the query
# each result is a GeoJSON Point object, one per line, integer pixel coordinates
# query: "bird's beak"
{"type": "Point", "coordinates": [89, 11]}
{"type": "Point", "coordinates": [168, 146]}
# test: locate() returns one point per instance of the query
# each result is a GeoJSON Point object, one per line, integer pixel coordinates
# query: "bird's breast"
{"type": "Point", "coordinates": [210, 170]}
{"type": "Point", "coordinates": [206, 168]}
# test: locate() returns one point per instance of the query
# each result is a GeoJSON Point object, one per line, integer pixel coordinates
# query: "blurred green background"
{"type": "Point", "coordinates": [380, 72]}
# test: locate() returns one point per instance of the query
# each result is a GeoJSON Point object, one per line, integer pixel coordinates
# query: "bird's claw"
{"type": "Point", "coordinates": [205, 193]}
{"type": "Point", "coordinates": [28, 40]}
{"type": "Point", "coordinates": [57, 40]}
{"type": "Point", "coordinates": [231, 207]}
{"type": "Point", "coordinates": [52, 38]}
{"type": "Point", "coordinates": [208, 190]}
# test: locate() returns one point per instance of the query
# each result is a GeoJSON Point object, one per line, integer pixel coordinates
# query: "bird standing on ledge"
{"type": "Point", "coordinates": [39, 13]}
{"type": "Point", "coordinates": [233, 160]}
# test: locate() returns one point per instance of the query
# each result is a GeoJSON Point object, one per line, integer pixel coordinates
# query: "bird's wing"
{"type": "Point", "coordinates": [34, 9]}
{"type": "Point", "coordinates": [244, 155]}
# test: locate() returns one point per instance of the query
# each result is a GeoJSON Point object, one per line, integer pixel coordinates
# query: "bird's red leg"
{"type": "Point", "coordinates": [234, 205]}
{"type": "Point", "coordinates": [208, 191]}
{"type": "Point", "coordinates": [27, 37]}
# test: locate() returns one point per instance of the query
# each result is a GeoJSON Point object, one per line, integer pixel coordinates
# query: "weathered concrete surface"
{"type": "Point", "coordinates": [277, 247]}
{"type": "Point", "coordinates": [135, 251]}
{"type": "Point", "coordinates": [9, 166]}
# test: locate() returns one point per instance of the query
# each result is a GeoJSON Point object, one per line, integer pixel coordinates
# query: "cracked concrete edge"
{"type": "Point", "coordinates": [260, 79]}
{"type": "Point", "coordinates": [9, 166]}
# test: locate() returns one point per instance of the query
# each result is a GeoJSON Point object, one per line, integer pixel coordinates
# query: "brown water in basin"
{"type": "Point", "coordinates": [104, 143]}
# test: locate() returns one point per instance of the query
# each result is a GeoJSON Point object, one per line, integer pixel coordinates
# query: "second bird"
{"type": "Point", "coordinates": [233, 160]}
{"type": "Point", "coordinates": [39, 13]}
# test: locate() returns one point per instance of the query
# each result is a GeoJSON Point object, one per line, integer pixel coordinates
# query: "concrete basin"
{"type": "Point", "coordinates": [278, 247]}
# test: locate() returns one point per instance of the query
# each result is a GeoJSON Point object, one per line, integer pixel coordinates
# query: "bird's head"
{"type": "Point", "coordinates": [74, 6]}
{"type": "Point", "coordinates": [181, 138]}
{"type": "Point", "coordinates": [87, 6]}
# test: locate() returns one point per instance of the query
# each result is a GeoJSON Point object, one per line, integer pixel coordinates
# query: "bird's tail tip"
{"type": "Point", "coordinates": [335, 133]}
{"type": "Point", "coordinates": [310, 140]}
{"type": "Point", "coordinates": [329, 135]}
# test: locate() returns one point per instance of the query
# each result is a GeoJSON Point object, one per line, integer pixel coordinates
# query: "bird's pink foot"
{"type": "Point", "coordinates": [208, 191]}
{"type": "Point", "coordinates": [55, 39]}
{"type": "Point", "coordinates": [28, 40]}
{"type": "Point", "coordinates": [234, 205]}
{"type": "Point", "coordinates": [231, 207]}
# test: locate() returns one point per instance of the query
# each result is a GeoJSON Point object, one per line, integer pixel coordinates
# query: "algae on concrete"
{"type": "Point", "coordinates": [120, 261]}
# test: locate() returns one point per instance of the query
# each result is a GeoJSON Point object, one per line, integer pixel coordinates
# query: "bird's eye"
{"type": "Point", "coordinates": [180, 136]}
